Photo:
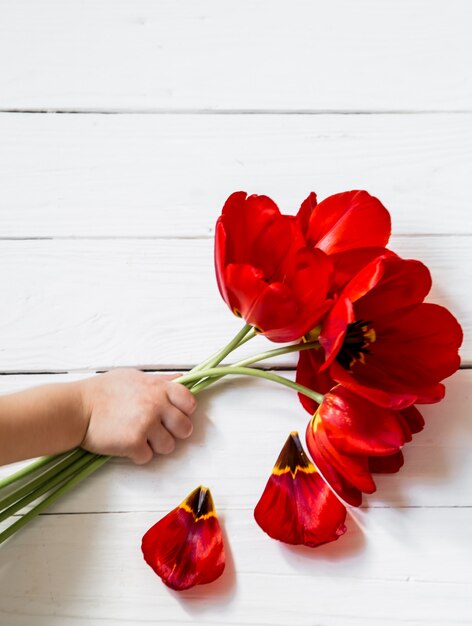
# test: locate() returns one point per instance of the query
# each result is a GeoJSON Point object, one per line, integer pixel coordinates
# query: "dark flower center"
{"type": "Point", "coordinates": [359, 336]}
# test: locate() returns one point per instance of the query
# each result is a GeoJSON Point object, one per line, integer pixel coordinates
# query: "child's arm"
{"type": "Point", "coordinates": [124, 412]}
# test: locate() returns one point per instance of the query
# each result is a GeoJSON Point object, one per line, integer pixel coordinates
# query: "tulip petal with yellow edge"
{"type": "Point", "coordinates": [297, 506]}
{"type": "Point", "coordinates": [185, 548]}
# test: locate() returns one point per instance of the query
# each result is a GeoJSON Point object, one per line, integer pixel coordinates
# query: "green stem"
{"type": "Point", "coordinates": [251, 334]}
{"type": "Point", "coordinates": [80, 464]}
{"type": "Point", "coordinates": [29, 469]}
{"type": "Point", "coordinates": [43, 478]}
{"type": "Point", "coordinates": [55, 495]}
{"type": "Point", "coordinates": [299, 347]}
{"type": "Point", "coordinates": [238, 339]}
{"type": "Point", "coordinates": [249, 371]}
{"type": "Point", "coordinates": [34, 494]}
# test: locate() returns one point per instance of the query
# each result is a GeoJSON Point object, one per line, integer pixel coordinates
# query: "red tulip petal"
{"type": "Point", "coordinates": [403, 284]}
{"type": "Point", "coordinates": [284, 312]}
{"type": "Point", "coordinates": [356, 426]}
{"type": "Point", "coordinates": [348, 264]}
{"type": "Point", "coordinates": [309, 278]}
{"type": "Point", "coordinates": [353, 468]}
{"type": "Point", "coordinates": [430, 337]}
{"type": "Point", "coordinates": [220, 257]}
{"type": "Point", "coordinates": [402, 423]}
{"type": "Point", "coordinates": [309, 375]}
{"type": "Point", "coordinates": [414, 349]}
{"type": "Point", "coordinates": [375, 394]}
{"type": "Point", "coordinates": [353, 219]}
{"type": "Point", "coordinates": [386, 464]}
{"type": "Point", "coordinates": [430, 395]}
{"type": "Point", "coordinates": [297, 506]}
{"type": "Point", "coordinates": [414, 419]}
{"type": "Point", "coordinates": [244, 219]}
{"type": "Point", "coordinates": [333, 330]}
{"type": "Point", "coordinates": [258, 234]}
{"type": "Point", "coordinates": [347, 475]}
{"type": "Point", "coordinates": [185, 548]}
{"type": "Point", "coordinates": [251, 232]}
{"type": "Point", "coordinates": [334, 326]}
{"type": "Point", "coordinates": [261, 304]}
{"type": "Point", "coordinates": [274, 248]}
{"type": "Point", "coordinates": [264, 270]}
{"type": "Point", "coordinates": [304, 212]}
{"type": "Point", "coordinates": [245, 285]}
{"type": "Point", "coordinates": [365, 280]}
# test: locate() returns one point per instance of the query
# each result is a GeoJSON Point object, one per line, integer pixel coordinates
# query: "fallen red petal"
{"type": "Point", "coordinates": [185, 548]}
{"type": "Point", "coordinates": [297, 506]}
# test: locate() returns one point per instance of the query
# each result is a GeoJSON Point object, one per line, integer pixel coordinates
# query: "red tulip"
{"type": "Point", "coordinates": [382, 341]}
{"type": "Point", "coordinates": [297, 506]}
{"type": "Point", "coordinates": [349, 438]}
{"type": "Point", "coordinates": [185, 548]}
{"type": "Point", "coordinates": [352, 227]}
{"type": "Point", "coordinates": [265, 272]}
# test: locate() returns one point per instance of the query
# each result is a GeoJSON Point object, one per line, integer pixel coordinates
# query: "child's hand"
{"type": "Point", "coordinates": [134, 414]}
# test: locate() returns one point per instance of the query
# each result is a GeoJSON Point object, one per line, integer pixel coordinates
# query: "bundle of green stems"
{"type": "Point", "coordinates": [46, 479]}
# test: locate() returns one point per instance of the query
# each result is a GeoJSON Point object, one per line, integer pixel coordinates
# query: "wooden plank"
{"type": "Point", "coordinates": [238, 415]}
{"type": "Point", "coordinates": [208, 55]}
{"type": "Point", "coordinates": [144, 175]}
{"type": "Point", "coordinates": [152, 303]}
{"type": "Point", "coordinates": [396, 567]}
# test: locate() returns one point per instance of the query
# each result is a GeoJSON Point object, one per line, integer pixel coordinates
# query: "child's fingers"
{"type": "Point", "coordinates": [181, 398]}
{"type": "Point", "coordinates": [177, 423]}
{"type": "Point", "coordinates": [161, 440]}
{"type": "Point", "coordinates": [141, 453]}
{"type": "Point", "coordinates": [170, 376]}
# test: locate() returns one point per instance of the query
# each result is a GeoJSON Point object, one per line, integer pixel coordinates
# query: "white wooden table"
{"type": "Point", "coordinates": [106, 225]}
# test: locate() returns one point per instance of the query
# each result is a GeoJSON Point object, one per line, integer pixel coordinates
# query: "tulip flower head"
{"type": "Point", "coordinates": [266, 274]}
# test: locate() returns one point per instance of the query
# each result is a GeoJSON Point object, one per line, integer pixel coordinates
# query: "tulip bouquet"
{"type": "Point", "coordinates": [370, 349]}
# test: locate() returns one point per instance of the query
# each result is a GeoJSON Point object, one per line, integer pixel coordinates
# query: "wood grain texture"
{"type": "Point", "coordinates": [168, 175]}
{"type": "Point", "coordinates": [106, 225]}
{"type": "Point", "coordinates": [153, 303]}
{"type": "Point", "coordinates": [237, 416]}
{"type": "Point", "coordinates": [392, 567]}
{"type": "Point", "coordinates": [118, 55]}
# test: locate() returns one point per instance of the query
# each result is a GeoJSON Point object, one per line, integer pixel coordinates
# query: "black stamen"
{"type": "Point", "coordinates": [356, 343]}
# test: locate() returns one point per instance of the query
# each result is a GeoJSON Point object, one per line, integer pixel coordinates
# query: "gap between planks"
{"type": "Point", "coordinates": [181, 237]}
{"type": "Point", "coordinates": [168, 368]}
{"type": "Point", "coordinates": [275, 111]}
{"type": "Point", "coordinates": [363, 507]}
